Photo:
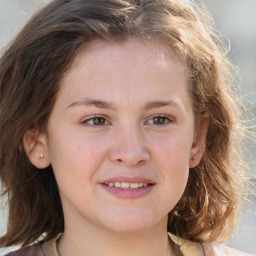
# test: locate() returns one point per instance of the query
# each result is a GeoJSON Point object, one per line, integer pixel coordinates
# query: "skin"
{"type": "Point", "coordinates": [145, 128]}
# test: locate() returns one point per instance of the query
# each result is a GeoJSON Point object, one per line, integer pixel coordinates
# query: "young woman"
{"type": "Point", "coordinates": [120, 134]}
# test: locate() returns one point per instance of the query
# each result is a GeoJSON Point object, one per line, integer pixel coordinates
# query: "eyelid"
{"type": "Point", "coordinates": [167, 117]}
{"type": "Point", "coordinates": [85, 121]}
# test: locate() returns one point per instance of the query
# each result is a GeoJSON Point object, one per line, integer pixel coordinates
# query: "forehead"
{"type": "Point", "coordinates": [133, 50]}
{"type": "Point", "coordinates": [112, 70]}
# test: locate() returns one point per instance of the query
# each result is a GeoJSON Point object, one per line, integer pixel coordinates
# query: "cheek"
{"type": "Point", "coordinates": [173, 149]}
{"type": "Point", "coordinates": [171, 156]}
{"type": "Point", "coordinates": [78, 155]}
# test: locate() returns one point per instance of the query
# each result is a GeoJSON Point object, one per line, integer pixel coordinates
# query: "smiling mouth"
{"type": "Point", "coordinates": [127, 185]}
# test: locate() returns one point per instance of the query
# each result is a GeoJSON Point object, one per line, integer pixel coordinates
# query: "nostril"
{"type": "Point", "coordinates": [130, 163]}
{"type": "Point", "coordinates": [119, 161]}
{"type": "Point", "coordinates": [141, 162]}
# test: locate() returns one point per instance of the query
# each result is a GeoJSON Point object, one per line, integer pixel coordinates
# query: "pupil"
{"type": "Point", "coordinates": [159, 120]}
{"type": "Point", "coordinates": [98, 121]}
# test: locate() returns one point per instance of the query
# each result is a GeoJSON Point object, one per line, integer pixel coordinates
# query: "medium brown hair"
{"type": "Point", "coordinates": [31, 72]}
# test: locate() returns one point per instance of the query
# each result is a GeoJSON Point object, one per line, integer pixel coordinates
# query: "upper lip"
{"type": "Point", "coordinates": [128, 180]}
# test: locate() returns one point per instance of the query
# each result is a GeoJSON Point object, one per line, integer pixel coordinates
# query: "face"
{"type": "Point", "coordinates": [121, 136]}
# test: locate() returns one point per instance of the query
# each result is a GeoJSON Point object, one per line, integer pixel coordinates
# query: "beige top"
{"type": "Point", "coordinates": [187, 248]}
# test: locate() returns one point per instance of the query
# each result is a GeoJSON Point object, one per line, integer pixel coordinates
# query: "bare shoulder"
{"type": "Point", "coordinates": [33, 250]}
{"type": "Point", "coordinates": [215, 249]}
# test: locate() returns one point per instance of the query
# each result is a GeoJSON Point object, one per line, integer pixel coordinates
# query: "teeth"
{"type": "Point", "coordinates": [134, 185]}
{"type": "Point", "coordinates": [140, 185]}
{"type": "Point", "coordinates": [127, 185]}
{"type": "Point", "coordinates": [117, 184]}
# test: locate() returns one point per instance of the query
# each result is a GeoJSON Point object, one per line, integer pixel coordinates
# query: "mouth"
{"type": "Point", "coordinates": [128, 187]}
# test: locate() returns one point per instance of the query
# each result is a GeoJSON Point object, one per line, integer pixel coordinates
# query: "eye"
{"type": "Point", "coordinates": [95, 121]}
{"type": "Point", "coordinates": [160, 120]}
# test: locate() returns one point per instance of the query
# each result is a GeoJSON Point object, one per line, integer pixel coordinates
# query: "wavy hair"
{"type": "Point", "coordinates": [31, 71]}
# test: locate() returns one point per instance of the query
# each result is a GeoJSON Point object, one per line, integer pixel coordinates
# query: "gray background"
{"type": "Point", "coordinates": [236, 19]}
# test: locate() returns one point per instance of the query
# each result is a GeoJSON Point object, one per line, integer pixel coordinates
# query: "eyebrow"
{"type": "Point", "coordinates": [159, 104]}
{"type": "Point", "coordinates": [109, 106]}
{"type": "Point", "coordinates": [93, 103]}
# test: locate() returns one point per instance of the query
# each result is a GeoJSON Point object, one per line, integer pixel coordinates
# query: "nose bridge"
{"type": "Point", "coordinates": [130, 148]}
{"type": "Point", "coordinates": [131, 134]}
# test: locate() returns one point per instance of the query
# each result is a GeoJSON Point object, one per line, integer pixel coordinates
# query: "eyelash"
{"type": "Point", "coordinates": [94, 118]}
{"type": "Point", "coordinates": [165, 121]}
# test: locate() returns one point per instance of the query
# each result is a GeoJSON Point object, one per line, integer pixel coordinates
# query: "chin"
{"type": "Point", "coordinates": [129, 223]}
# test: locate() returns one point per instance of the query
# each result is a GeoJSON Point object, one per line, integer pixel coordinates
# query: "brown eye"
{"type": "Point", "coordinates": [95, 121]}
{"type": "Point", "coordinates": [159, 120]}
{"type": "Point", "coordinates": [99, 121]}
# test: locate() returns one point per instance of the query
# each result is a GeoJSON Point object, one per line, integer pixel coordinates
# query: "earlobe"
{"type": "Point", "coordinates": [35, 145]}
{"type": "Point", "coordinates": [198, 146]}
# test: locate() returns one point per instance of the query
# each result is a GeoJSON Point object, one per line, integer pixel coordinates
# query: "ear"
{"type": "Point", "coordinates": [35, 145]}
{"type": "Point", "coordinates": [198, 145]}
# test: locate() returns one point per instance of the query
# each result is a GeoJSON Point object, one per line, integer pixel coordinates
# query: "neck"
{"type": "Point", "coordinates": [98, 241]}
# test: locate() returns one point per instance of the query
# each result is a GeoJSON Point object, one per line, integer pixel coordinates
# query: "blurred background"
{"type": "Point", "coordinates": [236, 20]}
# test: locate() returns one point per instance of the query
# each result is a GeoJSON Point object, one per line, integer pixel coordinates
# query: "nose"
{"type": "Point", "coordinates": [129, 149]}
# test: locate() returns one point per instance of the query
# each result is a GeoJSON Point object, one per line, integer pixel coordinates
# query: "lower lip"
{"type": "Point", "coordinates": [129, 192]}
